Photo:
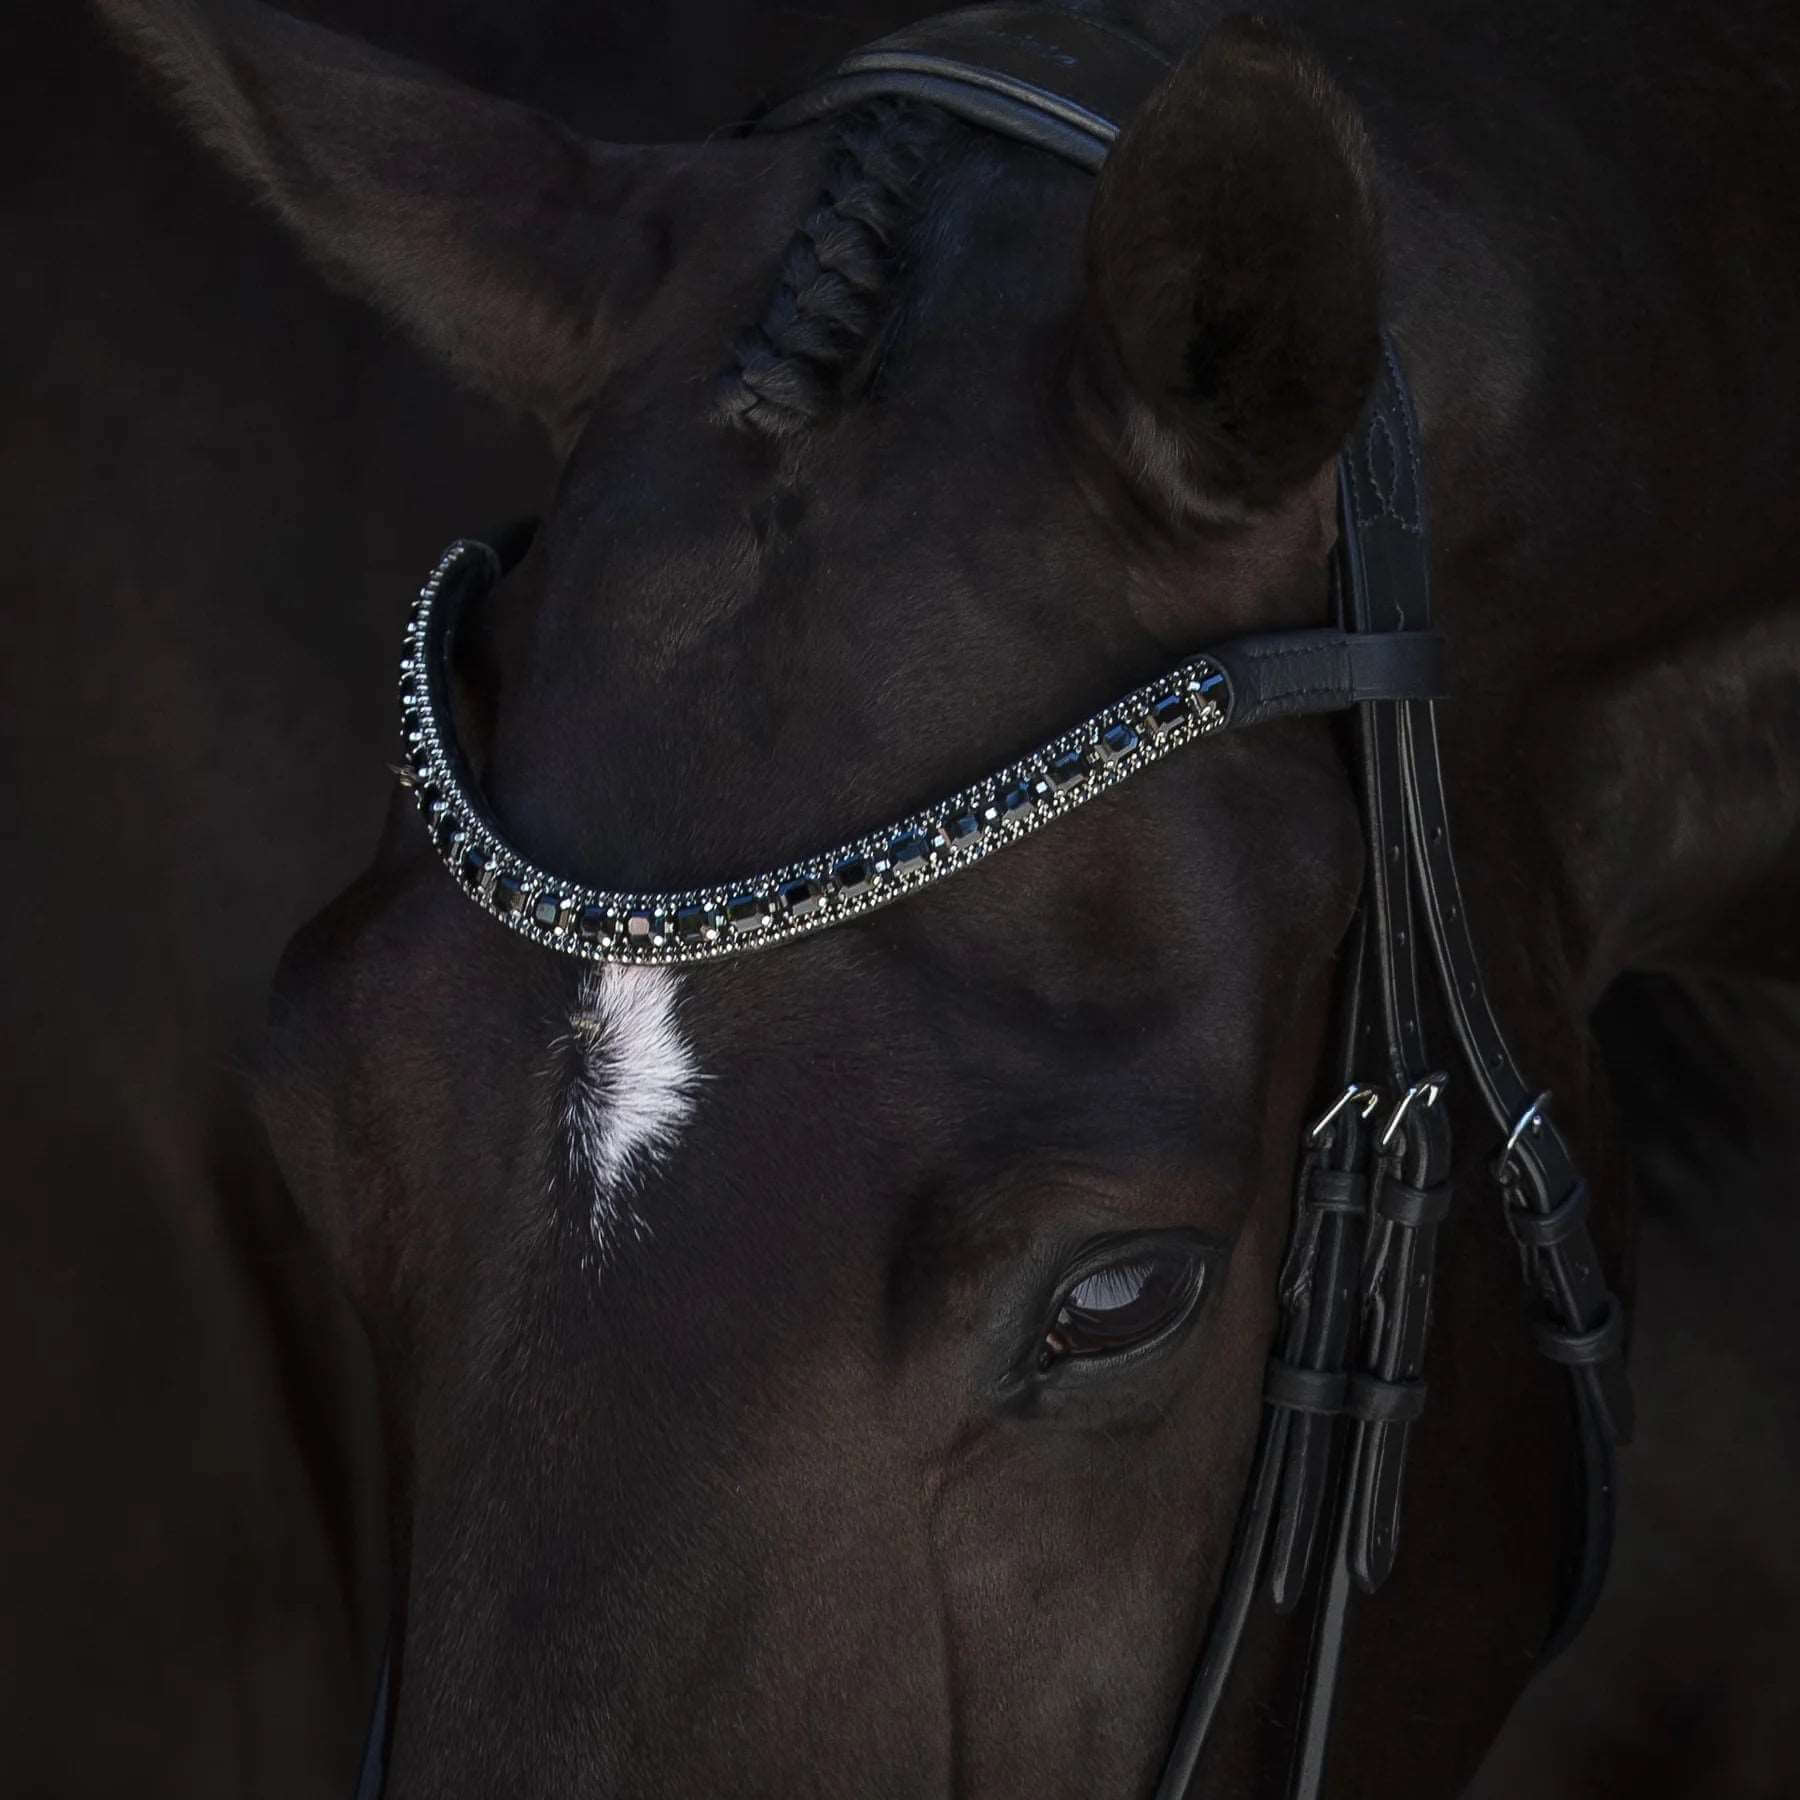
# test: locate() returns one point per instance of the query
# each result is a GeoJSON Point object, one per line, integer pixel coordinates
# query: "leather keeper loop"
{"type": "Point", "coordinates": [1384, 1402]}
{"type": "Point", "coordinates": [1338, 1191]}
{"type": "Point", "coordinates": [1577, 1349]}
{"type": "Point", "coordinates": [1544, 1231]}
{"type": "Point", "coordinates": [1411, 1206]}
{"type": "Point", "coordinates": [1304, 1390]}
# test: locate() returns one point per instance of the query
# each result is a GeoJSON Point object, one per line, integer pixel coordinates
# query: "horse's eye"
{"type": "Point", "coordinates": [1123, 1305]}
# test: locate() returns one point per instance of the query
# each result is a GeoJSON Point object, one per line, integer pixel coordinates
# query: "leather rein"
{"type": "Point", "coordinates": [1345, 1380]}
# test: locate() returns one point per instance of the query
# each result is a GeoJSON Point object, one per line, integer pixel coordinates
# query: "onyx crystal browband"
{"type": "Point", "coordinates": [1238, 683]}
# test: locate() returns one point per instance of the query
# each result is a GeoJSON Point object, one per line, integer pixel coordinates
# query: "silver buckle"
{"type": "Point", "coordinates": [1356, 1094]}
{"type": "Point", "coordinates": [1532, 1120]}
{"type": "Point", "coordinates": [1427, 1088]}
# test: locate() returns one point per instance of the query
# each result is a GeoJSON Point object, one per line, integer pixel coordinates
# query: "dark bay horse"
{"type": "Point", "coordinates": [701, 1303]}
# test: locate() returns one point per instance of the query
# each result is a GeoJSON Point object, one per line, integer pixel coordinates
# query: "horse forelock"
{"type": "Point", "coordinates": [836, 291]}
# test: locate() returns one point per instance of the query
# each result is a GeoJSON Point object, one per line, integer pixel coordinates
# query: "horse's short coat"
{"type": "Point", "coordinates": [775, 1506]}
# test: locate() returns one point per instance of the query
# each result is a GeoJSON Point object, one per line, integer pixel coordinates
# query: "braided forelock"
{"type": "Point", "coordinates": [835, 289]}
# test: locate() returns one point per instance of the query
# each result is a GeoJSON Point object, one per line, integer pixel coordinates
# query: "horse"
{"type": "Point", "coordinates": [837, 1369]}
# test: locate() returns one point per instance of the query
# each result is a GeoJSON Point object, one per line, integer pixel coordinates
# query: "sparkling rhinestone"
{"type": "Point", "coordinates": [1168, 712]}
{"type": "Point", "coordinates": [507, 892]}
{"type": "Point", "coordinates": [1069, 770]}
{"type": "Point", "coordinates": [421, 762]}
{"type": "Point", "coordinates": [1018, 803]}
{"type": "Point", "coordinates": [746, 913]}
{"type": "Point", "coordinates": [1116, 741]}
{"type": "Point", "coordinates": [546, 909]}
{"type": "Point", "coordinates": [640, 928]}
{"type": "Point", "coordinates": [475, 864]}
{"type": "Point", "coordinates": [963, 828]}
{"type": "Point", "coordinates": [908, 852]}
{"type": "Point", "coordinates": [593, 924]}
{"type": "Point", "coordinates": [853, 875]}
{"type": "Point", "coordinates": [802, 897]}
{"type": "Point", "coordinates": [1210, 693]}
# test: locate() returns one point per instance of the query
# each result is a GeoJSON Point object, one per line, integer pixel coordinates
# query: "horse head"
{"type": "Point", "coordinates": [836, 1370]}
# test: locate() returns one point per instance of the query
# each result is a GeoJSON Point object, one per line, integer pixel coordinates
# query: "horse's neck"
{"type": "Point", "coordinates": [1677, 815]}
{"type": "Point", "coordinates": [1625, 727]}
{"type": "Point", "coordinates": [1616, 544]}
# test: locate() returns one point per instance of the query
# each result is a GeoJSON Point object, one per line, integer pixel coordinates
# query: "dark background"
{"type": "Point", "coordinates": [218, 484]}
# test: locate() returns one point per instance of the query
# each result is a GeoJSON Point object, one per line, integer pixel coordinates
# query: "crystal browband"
{"type": "Point", "coordinates": [1239, 683]}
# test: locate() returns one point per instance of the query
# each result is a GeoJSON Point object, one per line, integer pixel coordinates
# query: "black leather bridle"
{"type": "Point", "coordinates": [1344, 1384]}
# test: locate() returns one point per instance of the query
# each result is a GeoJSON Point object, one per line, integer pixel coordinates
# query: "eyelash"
{"type": "Point", "coordinates": [1076, 1332]}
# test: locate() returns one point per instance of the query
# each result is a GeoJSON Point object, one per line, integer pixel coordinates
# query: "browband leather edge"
{"type": "Point", "coordinates": [1284, 674]}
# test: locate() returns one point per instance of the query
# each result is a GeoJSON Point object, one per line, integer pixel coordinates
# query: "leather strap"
{"type": "Point", "coordinates": [1599, 1343]}
{"type": "Point", "coordinates": [1543, 1231]}
{"type": "Point", "coordinates": [1060, 81]}
{"type": "Point", "coordinates": [1413, 1206]}
{"type": "Point", "coordinates": [1382, 560]}
{"type": "Point", "coordinates": [1282, 674]}
{"type": "Point", "coordinates": [1339, 1191]}
{"type": "Point", "coordinates": [1383, 498]}
{"type": "Point", "coordinates": [1379, 1402]}
{"type": "Point", "coordinates": [1305, 1390]}
{"type": "Point", "coordinates": [371, 1771]}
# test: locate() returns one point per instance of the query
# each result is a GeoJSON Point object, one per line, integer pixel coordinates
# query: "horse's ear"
{"type": "Point", "coordinates": [1233, 266]}
{"type": "Point", "coordinates": [491, 233]}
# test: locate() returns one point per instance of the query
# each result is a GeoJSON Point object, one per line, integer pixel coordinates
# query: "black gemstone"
{"type": "Point", "coordinates": [690, 924]}
{"type": "Point", "coordinates": [421, 762]}
{"type": "Point", "coordinates": [802, 897]}
{"type": "Point", "coordinates": [448, 829]}
{"type": "Point", "coordinates": [507, 893]}
{"type": "Point", "coordinates": [853, 875]}
{"type": "Point", "coordinates": [1168, 712]}
{"type": "Point", "coordinates": [1018, 802]}
{"type": "Point", "coordinates": [1069, 770]}
{"type": "Point", "coordinates": [908, 852]}
{"type": "Point", "coordinates": [591, 923]}
{"type": "Point", "coordinates": [746, 913]}
{"type": "Point", "coordinates": [1116, 741]}
{"type": "Point", "coordinates": [963, 828]}
{"type": "Point", "coordinates": [546, 909]}
{"type": "Point", "coordinates": [475, 864]}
